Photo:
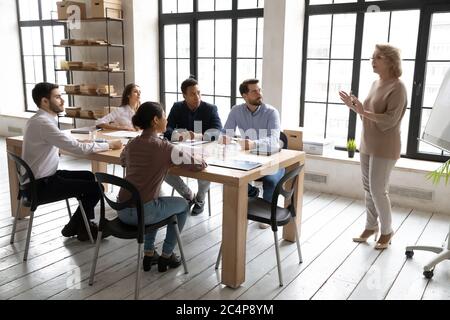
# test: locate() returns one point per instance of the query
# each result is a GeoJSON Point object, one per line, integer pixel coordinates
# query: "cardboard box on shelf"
{"type": "Point", "coordinates": [106, 9]}
{"type": "Point", "coordinates": [68, 8]}
{"type": "Point", "coordinates": [72, 88]}
{"type": "Point", "coordinates": [295, 138]}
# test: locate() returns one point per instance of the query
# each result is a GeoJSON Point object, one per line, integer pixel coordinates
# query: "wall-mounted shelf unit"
{"type": "Point", "coordinates": [106, 66]}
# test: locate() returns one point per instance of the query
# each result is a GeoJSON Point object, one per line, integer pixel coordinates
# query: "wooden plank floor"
{"type": "Point", "coordinates": [333, 266]}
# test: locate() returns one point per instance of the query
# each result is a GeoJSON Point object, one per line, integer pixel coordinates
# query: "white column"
{"type": "Point", "coordinates": [142, 46]}
{"type": "Point", "coordinates": [12, 99]}
{"type": "Point", "coordinates": [283, 40]}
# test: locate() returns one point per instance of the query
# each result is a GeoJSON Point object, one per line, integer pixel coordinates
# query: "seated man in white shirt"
{"type": "Point", "coordinates": [41, 143]}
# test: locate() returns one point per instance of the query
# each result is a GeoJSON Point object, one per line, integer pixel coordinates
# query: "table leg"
{"type": "Point", "coordinates": [97, 166]}
{"type": "Point", "coordinates": [288, 230]}
{"type": "Point", "coordinates": [234, 235]}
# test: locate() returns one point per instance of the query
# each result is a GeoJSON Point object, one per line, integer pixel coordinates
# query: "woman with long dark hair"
{"type": "Point", "coordinates": [120, 118]}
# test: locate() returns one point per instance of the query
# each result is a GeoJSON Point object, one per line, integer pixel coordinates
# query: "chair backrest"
{"type": "Point", "coordinates": [27, 182]}
{"type": "Point", "coordinates": [133, 202]}
{"type": "Point", "coordinates": [286, 193]}
{"type": "Point", "coordinates": [284, 139]}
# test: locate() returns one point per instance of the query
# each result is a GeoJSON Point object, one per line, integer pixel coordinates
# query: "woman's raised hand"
{"type": "Point", "coordinates": [351, 101]}
{"type": "Point", "coordinates": [346, 98]}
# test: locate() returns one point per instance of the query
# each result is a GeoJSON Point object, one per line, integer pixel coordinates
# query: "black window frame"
{"type": "Point", "coordinates": [427, 8]}
{"type": "Point", "coordinates": [192, 18]}
{"type": "Point", "coordinates": [34, 23]}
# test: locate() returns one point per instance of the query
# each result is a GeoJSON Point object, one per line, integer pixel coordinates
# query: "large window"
{"type": "Point", "coordinates": [340, 39]}
{"type": "Point", "coordinates": [218, 42]}
{"type": "Point", "coordinates": [37, 39]}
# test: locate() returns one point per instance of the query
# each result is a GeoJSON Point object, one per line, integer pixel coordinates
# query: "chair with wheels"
{"type": "Point", "coordinates": [270, 213]}
{"type": "Point", "coordinates": [443, 254]}
{"type": "Point", "coordinates": [121, 230]}
{"type": "Point", "coordinates": [28, 197]}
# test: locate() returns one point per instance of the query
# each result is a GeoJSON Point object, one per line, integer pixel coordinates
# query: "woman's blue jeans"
{"type": "Point", "coordinates": [156, 211]}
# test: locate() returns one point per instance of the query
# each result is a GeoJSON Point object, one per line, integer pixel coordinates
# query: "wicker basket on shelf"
{"type": "Point", "coordinates": [72, 88]}
{"type": "Point", "coordinates": [72, 111]}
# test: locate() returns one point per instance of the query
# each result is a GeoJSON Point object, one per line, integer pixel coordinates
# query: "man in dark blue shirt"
{"type": "Point", "coordinates": [196, 120]}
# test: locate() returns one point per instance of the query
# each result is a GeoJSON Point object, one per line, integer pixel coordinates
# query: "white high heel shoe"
{"type": "Point", "coordinates": [366, 235]}
{"type": "Point", "coordinates": [384, 241]}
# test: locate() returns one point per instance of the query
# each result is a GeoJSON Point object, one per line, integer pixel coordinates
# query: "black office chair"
{"type": "Point", "coordinates": [284, 140]}
{"type": "Point", "coordinates": [28, 197]}
{"type": "Point", "coordinates": [121, 230]}
{"type": "Point", "coordinates": [270, 213]}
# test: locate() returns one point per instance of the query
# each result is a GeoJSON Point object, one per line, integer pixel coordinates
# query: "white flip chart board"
{"type": "Point", "coordinates": [437, 130]}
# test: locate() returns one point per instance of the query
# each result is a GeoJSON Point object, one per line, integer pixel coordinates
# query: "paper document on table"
{"type": "Point", "coordinates": [122, 134]}
{"type": "Point", "coordinates": [84, 130]}
{"type": "Point", "coordinates": [191, 142]}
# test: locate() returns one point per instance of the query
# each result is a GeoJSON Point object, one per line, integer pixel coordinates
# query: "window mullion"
{"type": "Point", "coordinates": [412, 149]}
{"type": "Point", "coordinates": [357, 55]}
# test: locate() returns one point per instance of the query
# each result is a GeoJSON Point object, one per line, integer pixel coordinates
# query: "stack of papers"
{"type": "Point", "coordinates": [122, 134]}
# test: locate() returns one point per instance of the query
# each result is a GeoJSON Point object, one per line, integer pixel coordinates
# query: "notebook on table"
{"type": "Point", "coordinates": [234, 164]}
{"type": "Point", "coordinates": [84, 130]}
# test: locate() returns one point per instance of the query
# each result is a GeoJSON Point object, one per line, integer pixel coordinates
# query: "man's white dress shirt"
{"type": "Point", "coordinates": [43, 139]}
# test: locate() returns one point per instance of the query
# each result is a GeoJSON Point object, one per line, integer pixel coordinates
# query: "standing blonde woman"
{"type": "Point", "coordinates": [120, 118]}
{"type": "Point", "coordinates": [381, 115]}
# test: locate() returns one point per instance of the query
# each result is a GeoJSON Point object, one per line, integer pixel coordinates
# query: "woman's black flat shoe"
{"type": "Point", "coordinates": [166, 263]}
{"type": "Point", "coordinates": [149, 261]}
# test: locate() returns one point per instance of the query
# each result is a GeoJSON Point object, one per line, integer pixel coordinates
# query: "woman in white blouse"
{"type": "Point", "coordinates": [120, 118]}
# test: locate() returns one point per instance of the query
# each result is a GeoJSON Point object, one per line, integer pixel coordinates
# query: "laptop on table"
{"type": "Point", "coordinates": [234, 164]}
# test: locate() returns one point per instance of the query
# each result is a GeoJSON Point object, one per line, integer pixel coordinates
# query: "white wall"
{"type": "Point", "coordinates": [11, 81]}
{"type": "Point", "coordinates": [283, 39]}
{"type": "Point", "coordinates": [343, 177]}
{"type": "Point", "coordinates": [145, 48]}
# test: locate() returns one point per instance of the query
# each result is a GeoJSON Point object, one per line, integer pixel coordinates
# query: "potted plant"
{"type": "Point", "coordinates": [351, 147]}
{"type": "Point", "coordinates": [442, 172]}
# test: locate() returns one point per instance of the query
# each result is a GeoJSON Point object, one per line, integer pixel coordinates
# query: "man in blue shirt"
{"type": "Point", "coordinates": [196, 120]}
{"type": "Point", "coordinates": [259, 127]}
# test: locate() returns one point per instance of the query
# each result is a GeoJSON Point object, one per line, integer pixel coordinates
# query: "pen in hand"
{"type": "Point", "coordinates": [351, 98]}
